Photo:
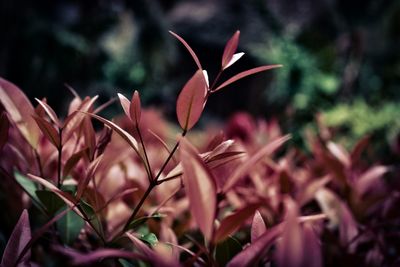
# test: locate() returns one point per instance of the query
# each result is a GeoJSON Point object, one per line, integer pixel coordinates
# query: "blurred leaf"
{"type": "Point", "coordinates": [226, 250]}
{"type": "Point", "coordinates": [50, 200]}
{"type": "Point", "coordinates": [70, 226]}
{"type": "Point", "coordinates": [191, 100]}
{"type": "Point", "coordinates": [28, 185]}
{"type": "Point", "coordinates": [139, 221]}
{"type": "Point", "coordinates": [150, 238]}
{"type": "Point", "coordinates": [257, 226]}
{"type": "Point", "coordinates": [4, 126]}
{"type": "Point", "coordinates": [135, 108]}
{"type": "Point", "coordinates": [19, 238]}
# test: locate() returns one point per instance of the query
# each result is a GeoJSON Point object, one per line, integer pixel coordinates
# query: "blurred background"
{"type": "Point", "coordinates": [341, 58]}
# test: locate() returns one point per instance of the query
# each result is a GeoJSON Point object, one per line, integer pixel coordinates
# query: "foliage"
{"type": "Point", "coordinates": [134, 193]}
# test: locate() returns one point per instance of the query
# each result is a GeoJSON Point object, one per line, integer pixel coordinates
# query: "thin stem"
{"type": "Point", "coordinates": [216, 80]}
{"type": "Point", "coordinates": [39, 163]}
{"type": "Point", "coordinates": [148, 167]}
{"type": "Point", "coordinates": [59, 157]}
{"type": "Point", "coordinates": [139, 205]}
{"type": "Point", "coordinates": [87, 219]}
{"type": "Point", "coordinates": [169, 178]}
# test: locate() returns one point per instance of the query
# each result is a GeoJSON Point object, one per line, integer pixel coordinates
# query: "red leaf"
{"type": "Point", "coordinates": [194, 56]}
{"type": "Point", "coordinates": [48, 130]}
{"type": "Point", "coordinates": [135, 108]}
{"type": "Point", "coordinates": [4, 126]}
{"type": "Point", "coordinates": [340, 153]}
{"type": "Point", "coordinates": [200, 188]}
{"type": "Point", "coordinates": [125, 103]}
{"type": "Point", "coordinates": [258, 227]}
{"type": "Point", "coordinates": [290, 248]}
{"type": "Point", "coordinates": [121, 132]}
{"type": "Point", "coordinates": [83, 183]}
{"type": "Point", "coordinates": [190, 103]}
{"type": "Point", "coordinates": [312, 254]}
{"type": "Point", "coordinates": [231, 223]}
{"type": "Point", "coordinates": [371, 180]}
{"type": "Point", "coordinates": [49, 111]}
{"type": "Point", "coordinates": [230, 49]}
{"type": "Point", "coordinates": [73, 160]}
{"type": "Point", "coordinates": [20, 236]}
{"type": "Point", "coordinates": [242, 169]}
{"type": "Point", "coordinates": [20, 111]}
{"type": "Point", "coordinates": [246, 73]}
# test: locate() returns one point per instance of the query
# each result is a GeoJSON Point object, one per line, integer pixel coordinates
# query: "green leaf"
{"type": "Point", "coordinates": [91, 214]}
{"type": "Point", "coordinates": [29, 187]}
{"type": "Point", "coordinates": [50, 200]}
{"type": "Point", "coordinates": [139, 221]}
{"type": "Point", "coordinates": [70, 226]}
{"type": "Point", "coordinates": [226, 250]}
{"type": "Point", "coordinates": [150, 238]}
{"type": "Point", "coordinates": [125, 263]}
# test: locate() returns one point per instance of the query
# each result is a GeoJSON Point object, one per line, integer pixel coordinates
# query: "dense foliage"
{"type": "Point", "coordinates": [129, 192]}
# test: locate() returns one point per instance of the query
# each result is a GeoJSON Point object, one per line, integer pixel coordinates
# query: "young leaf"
{"type": "Point", "coordinates": [135, 108]}
{"type": "Point", "coordinates": [19, 238]}
{"type": "Point", "coordinates": [200, 188]}
{"type": "Point", "coordinates": [49, 111]}
{"type": "Point", "coordinates": [125, 103]}
{"type": "Point", "coordinates": [230, 49]}
{"type": "Point", "coordinates": [194, 56]}
{"type": "Point", "coordinates": [245, 167]}
{"type": "Point", "coordinates": [231, 223]}
{"type": "Point", "coordinates": [4, 126]}
{"type": "Point", "coordinates": [258, 227]}
{"type": "Point", "coordinates": [20, 111]}
{"type": "Point", "coordinates": [48, 130]}
{"type": "Point", "coordinates": [246, 73]}
{"type": "Point", "coordinates": [191, 99]}
{"type": "Point", "coordinates": [70, 226]}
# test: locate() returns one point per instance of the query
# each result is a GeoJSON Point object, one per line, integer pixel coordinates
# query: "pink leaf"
{"type": "Point", "coordinates": [121, 132]}
{"type": "Point", "coordinates": [312, 253]}
{"type": "Point", "coordinates": [20, 111]}
{"type": "Point", "coordinates": [135, 108]}
{"type": "Point", "coordinates": [191, 99]}
{"type": "Point", "coordinates": [125, 103]}
{"type": "Point", "coordinates": [290, 248]}
{"type": "Point", "coordinates": [20, 236]}
{"type": "Point", "coordinates": [200, 188]}
{"type": "Point", "coordinates": [230, 49]}
{"type": "Point", "coordinates": [231, 223]}
{"type": "Point", "coordinates": [371, 180]}
{"type": "Point", "coordinates": [48, 130]}
{"type": "Point", "coordinates": [258, 227]}
{"type": "Point", "coordinates": [49, 111]}
{"type": "Point", "coordinates": [194, 56]}
{"type": "Point", "coordinates": [4, 126]}
{"type": "Point", "coordinates": [340, 153]}
{"type": "Point", "coordinates": [242, 169]}
{"type": "Point", "coordinates": [246, 73]}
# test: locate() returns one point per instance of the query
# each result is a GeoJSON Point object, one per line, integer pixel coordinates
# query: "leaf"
{"type": "Point", "coordinates": [121, 132]}
{"type": "Point", "coordinates": [226, 250]}
{"type": "Point", "coordinates": [83, 183]}
{"type": "Point", "coordinates": [312, 254]}
{"type": "Point", "coordinates": [89, 258]}
{"type": "Point", "coordinates": [28, 186]}
{"type": "Point", "coordinates": [340, 153]}
{"type": "Point", "coordinates": [257, 226]}
{"type": "Point", "coordinates": [20, 236]}
{"type": "Point", "coordinates": [242, 169]}
{"type": "Point", "coordinates": [235, 58]}
{"type": "Point", "coordinates": [4, 126]}
{"type": "Point", "coordinates": [290, 248]}
{"type": "Point", "coordinates": [191, 99]}
{"type": "Point", "coordinates": [200, 188]}
{"type": "Point", "coordinates": [49, 111]}
{"type": "Point", "coordinates": [150, 238]}
{"type": "Point", "coordinates": [50, 200]}
{"type": "Point", "coordinates": [135, 108]}
{"type": "Point", "coordinates": [70, 226]}
{"type": "Point", "coordinates": [230, 224]}
{"type": "Point", "coordinates": [66, 197]}
{"type": "Point", "coordinates": [125, 103]}
{"type": "Point", "coordinates": [371, 180]}
{"type": "Point", "coordinates": [48, 130]}
{"type": "Point", "coordinates": [92, 215]}
{"type": "Point", "coordinates": [246, 73]}
{"type": "Point", "coordinates": [73, 160]}
{"type": "Point", "coordinates": [20, 111]}
{"type": "Point", "coordinates": [139, 221]}
{"type": "Point", "coordinates": [192, 53]}
{"type": "Point", "coordinates": [230, 49]}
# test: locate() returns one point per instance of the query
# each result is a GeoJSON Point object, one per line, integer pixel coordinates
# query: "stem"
{"type": "Point", "coordinates": [148, 167]}
{"type": "Point", "coordinates": [215, 80]}
{"type": "Point", "coordinates": [87, 219]}
{"type": "Point", "coordinates": [39, 163]}
{"type": "Point", "coordinates": [59, 158]}
{"type": "Point", "coordinates": [152, 184]}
